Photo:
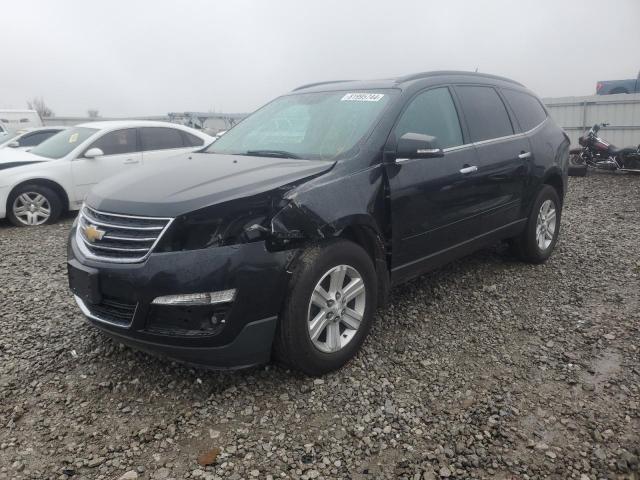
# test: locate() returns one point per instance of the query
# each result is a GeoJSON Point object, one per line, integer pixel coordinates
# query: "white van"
{"type": "Point", "coordinates": [15, 120]}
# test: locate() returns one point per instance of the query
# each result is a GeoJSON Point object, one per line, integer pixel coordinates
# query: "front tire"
{"type": "Point", "coordinates": [33, 205]}
{"type": "Point", "coordinates": [539, 238]}
{"type": "Point", "coordinates": [329, 308]}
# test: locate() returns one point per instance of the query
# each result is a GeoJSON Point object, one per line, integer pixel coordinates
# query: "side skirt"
{"type": "Point", "coordinates": [403, 273]}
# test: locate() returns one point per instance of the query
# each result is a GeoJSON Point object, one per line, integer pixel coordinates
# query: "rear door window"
{"type": "Point", "coordinates": [432, 113]}
{"type": "Point", "coordinates": [485, 113]}
{"type": "Point", "coordinates": [117, 142]}
{"type": "Point", "coordinates": [527, 109]}
{"type": "Point", "coordinates": [161, 138]}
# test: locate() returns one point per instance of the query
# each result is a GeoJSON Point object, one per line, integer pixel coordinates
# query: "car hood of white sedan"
{"type": "Point", "coordinates": [16, 158]}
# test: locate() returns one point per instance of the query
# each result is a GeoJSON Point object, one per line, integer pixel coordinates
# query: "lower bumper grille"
{"type": "Point", "coordinates": [187, 321]}
{"type": "Point", "coordinates": [110, 311]}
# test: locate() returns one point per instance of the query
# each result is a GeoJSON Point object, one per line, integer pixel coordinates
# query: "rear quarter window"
{"type": "Point", "coordinates": [191, 140]}
{"type": "Point", "coordinates": [527, 109]}
{"type": "Point", "coordinates": [485, 112]}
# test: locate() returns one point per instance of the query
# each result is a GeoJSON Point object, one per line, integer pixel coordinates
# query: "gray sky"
{"type": "Point", "coordinates": [139, 57]}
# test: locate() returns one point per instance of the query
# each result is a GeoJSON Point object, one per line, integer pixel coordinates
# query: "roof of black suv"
{"type": "Point", "coordinates": [423, 78]}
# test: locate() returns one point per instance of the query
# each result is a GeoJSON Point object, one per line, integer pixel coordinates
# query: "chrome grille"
{"type": "Point", "coordinates": [118, 238]}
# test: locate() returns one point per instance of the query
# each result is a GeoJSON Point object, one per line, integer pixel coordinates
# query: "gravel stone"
{"type": "Point", "coordinates": [130, 475]}
{"type": "Point", "coordinates": [468, 372]}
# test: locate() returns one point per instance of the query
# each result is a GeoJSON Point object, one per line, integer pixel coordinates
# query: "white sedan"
{"type": "Point", "coordinates": [28, 138]}
{"type": "Point", "coordinates": [38, 185]}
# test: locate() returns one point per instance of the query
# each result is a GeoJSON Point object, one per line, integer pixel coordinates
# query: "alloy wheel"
{"type": "Point", "coordinates": [31, 208]}
{"type": "Point", "coordinates": [546, 225]}
{"type": "Point", "coordinates": [336, 308]}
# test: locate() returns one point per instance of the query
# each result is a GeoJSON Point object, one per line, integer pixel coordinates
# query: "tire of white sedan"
{"type": "Point", "coordinates": [32, 205]}
{"type": "Point", "coordinates": [329, 308]}
{"type": "Point", "coordinates": [539, 238]}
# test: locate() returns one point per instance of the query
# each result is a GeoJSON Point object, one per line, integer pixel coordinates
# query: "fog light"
{"type": "Point", "coordinates": [207, 298]}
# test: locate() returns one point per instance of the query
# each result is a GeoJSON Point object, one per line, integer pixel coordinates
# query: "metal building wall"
{"type": "Point", "coordinates": [577, 114]}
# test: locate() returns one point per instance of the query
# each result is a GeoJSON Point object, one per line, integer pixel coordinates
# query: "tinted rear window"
{"type": "Point", "coordinates": [160, 138]}
{"type": "Point", "coordinates": [485, 113]}
{"type": "Point", "coordinates": [527, 109]}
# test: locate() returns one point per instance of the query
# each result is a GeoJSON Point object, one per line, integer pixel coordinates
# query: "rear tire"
{"type": "Point", "coordinates": [323, 323]}
{"type": "Point", "coordinates": [538, 240]}
{"type": "Point", "coordinates": [577, 165]}
{"type": "Point", "coordinates": [31, 205]}
{"type": "Point", "coordinates": [578, 171]}
{"type": "Point", "coordinates": [575, 159]}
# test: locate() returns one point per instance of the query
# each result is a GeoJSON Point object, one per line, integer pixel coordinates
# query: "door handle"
{"type": "Point", "coordinates": [131, 161]}
{"type": "Point", "coordinates": [524, 155]}
{"type": "Point", "coordinates": [470, 169]}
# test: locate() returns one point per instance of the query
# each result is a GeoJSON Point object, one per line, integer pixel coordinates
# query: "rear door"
{"type": "Point", "coordinates": [431, 209]}
{"type": "Point", "coordinates": [497, 185]}
{"type": "Point", "coordinates": [163, 142]}
{"type": "Point", "coordinates": [121, 153]}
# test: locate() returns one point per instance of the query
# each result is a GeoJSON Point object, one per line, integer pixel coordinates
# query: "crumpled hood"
{"type": "Point", "coordinates": [185, 183]}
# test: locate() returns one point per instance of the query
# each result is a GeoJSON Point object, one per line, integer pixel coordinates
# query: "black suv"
{"type": "Point", "coordinates": [284, 235]}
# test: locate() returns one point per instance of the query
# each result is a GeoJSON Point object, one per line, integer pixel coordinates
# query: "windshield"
{"type": "Point", "coordinates": [325, 126]}
{"type": "Point", "coordinates": [62, 143]}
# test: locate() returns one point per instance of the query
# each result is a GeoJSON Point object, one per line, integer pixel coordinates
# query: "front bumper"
{"type": "Point", "coordinates": [123, 306]}
{"type": "Point", "coordinates": [4, 197]}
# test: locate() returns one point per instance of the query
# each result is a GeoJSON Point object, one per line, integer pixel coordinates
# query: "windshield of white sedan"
{"type": "Point", "coordinates": [62, 143]}
{"type": "Point", "coordinates": [325, 126]}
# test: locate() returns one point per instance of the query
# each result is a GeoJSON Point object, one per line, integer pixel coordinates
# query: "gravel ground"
{"type": "Point", "coordinates": [487, 368]}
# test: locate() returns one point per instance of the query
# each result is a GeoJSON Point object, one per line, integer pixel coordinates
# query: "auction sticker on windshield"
{"type": "Point", "coordinates": [362, 97]}
{"type": "Point", "coordinates": [73, 138]}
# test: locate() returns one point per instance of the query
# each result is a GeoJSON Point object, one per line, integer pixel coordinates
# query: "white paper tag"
{"type": "Point", "coordinates": [362, 97]}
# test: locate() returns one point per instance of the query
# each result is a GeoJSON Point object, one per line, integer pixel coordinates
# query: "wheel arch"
{"type": "Point", "coordinates": [362, 231]}
{"type": "Point", "coordinates": [55, 186]}
{"type": "Point", "coordinates": [372, 242]}
{"type": "Point", "coordinates": [554, 179]}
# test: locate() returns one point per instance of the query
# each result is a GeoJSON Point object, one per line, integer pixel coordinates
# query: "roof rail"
{"type": "Point", "coordinates": [417, 76]}
{"type": "Point", "coordinates": [309, 85]}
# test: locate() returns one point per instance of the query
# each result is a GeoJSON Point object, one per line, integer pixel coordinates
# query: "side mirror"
{"type": "Point", "coordinates": [93, 153]}
{"type": "Point", "coordinates": [14, 144]}
{"type": "Point", "coordinates": [417, 145]}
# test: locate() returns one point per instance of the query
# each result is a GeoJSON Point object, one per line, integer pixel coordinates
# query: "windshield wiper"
{"type": "Point", "coordinates": [271, 153]}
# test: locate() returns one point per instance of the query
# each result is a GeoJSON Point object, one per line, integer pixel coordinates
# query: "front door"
{"type": "Point", "coordinates": [431, 208]}
{"type": "Point", "coordinates": [121, 153]}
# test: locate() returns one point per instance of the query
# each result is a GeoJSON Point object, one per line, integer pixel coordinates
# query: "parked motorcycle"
{"type": "Point", "coordinates": [596, 152]}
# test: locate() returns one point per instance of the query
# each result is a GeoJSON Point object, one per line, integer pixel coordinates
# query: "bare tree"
{"type": "Point", "coordinates": [93, 113]}
{"type": "Point", "coordinates": [39, 106]}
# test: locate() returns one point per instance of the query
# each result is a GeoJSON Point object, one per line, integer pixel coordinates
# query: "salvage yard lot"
{"type": "Point", "coordinates": [487, 368]}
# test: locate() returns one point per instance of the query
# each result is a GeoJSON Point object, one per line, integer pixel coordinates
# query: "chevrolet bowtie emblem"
{"type": "Point", "coordinates": [93, 233]}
